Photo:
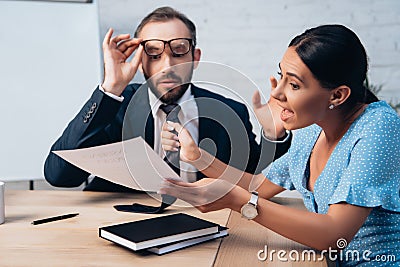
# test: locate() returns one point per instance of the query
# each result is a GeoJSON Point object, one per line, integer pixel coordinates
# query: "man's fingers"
{"type": "Point", "coordinates": [119, 38]}
{"type": "Point", "coordinates": [107, 37]}
{"type": "Point", "coordinates": [170, 145]}
{"type": "Point", "coordinates": [125, 45]}
{"type": "Point", "coordinates": [137, 58]}
{"type": "Point", "coordinates": [177, 127]}
{"type": "Point", "coordinates": [166, 147]}
{"type": "Point", "coordinates": [128, 44]}
{"type": "Point", "coordinates": [166, 134]}
{"type": "Point", "coordinates": [128, 52]}
{"type": "Point", "coordinates": [256, 100]}
{"type": "Point", "coordinates": [115, 41]}
{"type": "Point", "coordinates": [167, 127]}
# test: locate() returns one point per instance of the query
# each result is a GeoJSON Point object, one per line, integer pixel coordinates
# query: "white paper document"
{"type": "Point", "coordinates": [132, 163]}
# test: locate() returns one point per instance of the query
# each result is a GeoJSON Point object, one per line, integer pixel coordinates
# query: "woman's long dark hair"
{"type": "Point", "coordinates": [335, 56]}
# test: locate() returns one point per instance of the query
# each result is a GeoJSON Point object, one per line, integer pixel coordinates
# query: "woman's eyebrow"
{"type": "Point", "coordinates": [290, 73]}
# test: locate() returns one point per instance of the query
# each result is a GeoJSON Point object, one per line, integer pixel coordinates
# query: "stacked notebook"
{"type": "Point", "coordinates": [164, 234]}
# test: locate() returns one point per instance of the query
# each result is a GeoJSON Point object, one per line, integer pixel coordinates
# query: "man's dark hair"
{"type": "Point", "coordinates": [163, 14]}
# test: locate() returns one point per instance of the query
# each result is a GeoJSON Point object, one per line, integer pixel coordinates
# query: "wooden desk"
{"type": "Point", "coordinates": [247, 238]}
{"type": "Point", "coordinates": [75, 241]}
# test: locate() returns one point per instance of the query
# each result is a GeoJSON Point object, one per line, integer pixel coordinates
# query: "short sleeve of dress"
{"type": "Point", "coordinates": [278, 172]}
{"type": "Point", "coordinates": [372, 177]}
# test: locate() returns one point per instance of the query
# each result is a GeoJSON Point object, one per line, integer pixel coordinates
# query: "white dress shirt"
{"type": "Point", "coordinates": [188, 116]}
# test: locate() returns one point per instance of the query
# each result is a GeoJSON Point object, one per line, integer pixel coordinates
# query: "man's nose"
{"type": "Point", "coordinates": [167, 60]}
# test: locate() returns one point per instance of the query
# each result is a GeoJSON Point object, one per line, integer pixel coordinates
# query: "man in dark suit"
{"type": "Point", "coordinates": [166, 53]}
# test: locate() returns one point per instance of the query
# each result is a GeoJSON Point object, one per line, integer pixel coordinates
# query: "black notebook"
{"type": "Point", "coordinates": [162, 249]}
{"type": "Point", "coordinates": [157, 231]}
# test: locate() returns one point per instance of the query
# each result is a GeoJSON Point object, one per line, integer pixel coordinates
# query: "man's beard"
{"type": "Point", "coordinates": [173, 94]}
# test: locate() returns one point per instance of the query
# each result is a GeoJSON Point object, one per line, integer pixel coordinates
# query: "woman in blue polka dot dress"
{"type": "Point", "coordinates": [344, 158]}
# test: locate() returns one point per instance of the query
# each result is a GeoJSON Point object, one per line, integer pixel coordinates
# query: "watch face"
{"type": "Point", "coordinates": [249, 211]}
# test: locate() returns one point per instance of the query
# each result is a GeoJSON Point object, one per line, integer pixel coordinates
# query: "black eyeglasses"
{"type": "Point", "coordinates": [179, 46]}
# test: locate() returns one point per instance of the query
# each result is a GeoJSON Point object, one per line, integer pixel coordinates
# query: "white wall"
{"type": "Point", "coordinates": [252, 35]}
{"type": "Point", "coordinates": [49, 63]}
{"type": "Point", "coordinates": [49, 54]}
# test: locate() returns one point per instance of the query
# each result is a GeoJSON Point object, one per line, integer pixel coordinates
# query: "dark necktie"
{"type": "Point", "coordinates": [172, 158]}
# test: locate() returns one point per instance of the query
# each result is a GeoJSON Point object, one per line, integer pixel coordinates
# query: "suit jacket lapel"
{"type": "Point", "coordinates": [203, 124]}
{"type": "Point", "coordinates": [138, 119]}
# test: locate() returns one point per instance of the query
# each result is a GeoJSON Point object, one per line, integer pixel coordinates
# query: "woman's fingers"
{"type": "Point", "coordinates": [175, 188]}
{"type": "Point", "coordinates": [274, 82]}
{"type": "Point", "coordinates": [206, 194]}
{"type": "Point", "coordinates": [183, 191]}
{"type": "Point", "coordinates": [256, 100]}
{"type": "Point", "coordinates": [179, 183]}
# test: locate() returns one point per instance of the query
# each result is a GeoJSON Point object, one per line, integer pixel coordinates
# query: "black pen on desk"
{"type": "Point", "coordinates": [56, 218]}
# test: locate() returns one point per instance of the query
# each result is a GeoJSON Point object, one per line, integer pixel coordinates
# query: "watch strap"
{"type": "Point", "coordinates": [254, 198]}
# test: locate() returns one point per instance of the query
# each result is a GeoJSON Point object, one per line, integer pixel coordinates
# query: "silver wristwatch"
{"type": "Point", "coordinates": [249, 210]}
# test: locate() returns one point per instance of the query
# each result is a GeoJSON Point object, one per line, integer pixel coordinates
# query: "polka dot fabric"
{"type": "Point", "coordinates": [363, 170]}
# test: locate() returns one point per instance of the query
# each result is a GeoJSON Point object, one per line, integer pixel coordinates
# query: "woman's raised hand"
{"type": "Point", "coordinates": [268, 114]}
